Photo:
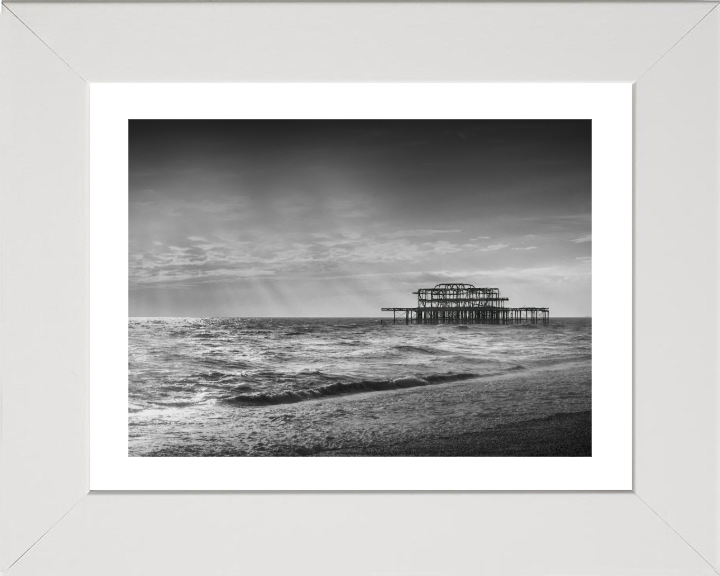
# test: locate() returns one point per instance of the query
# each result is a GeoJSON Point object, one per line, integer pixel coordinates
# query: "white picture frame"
{"type": "Point", "coordinates": [49, 523]}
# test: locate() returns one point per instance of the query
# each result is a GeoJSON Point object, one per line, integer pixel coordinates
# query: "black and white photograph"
{"type": "Point", "coordinates": [360, 288]}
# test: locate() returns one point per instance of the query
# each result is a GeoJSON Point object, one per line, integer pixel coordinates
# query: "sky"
{"type": "Point", "coordinates": [344, 217]}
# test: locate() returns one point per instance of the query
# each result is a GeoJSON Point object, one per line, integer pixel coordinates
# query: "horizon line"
{"type": "Point", "coordinates": [373, 317]}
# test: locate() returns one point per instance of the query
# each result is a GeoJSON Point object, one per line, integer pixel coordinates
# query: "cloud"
{"type": "Point", "coordinates": [548, 273]}
{"type": "Point", "coordinates": [582, 239]}
{"type": "Point", "coordinates": [584, 258]}
{"type": "Point", "coordinates": [479, 238]}
{"type": "Point", "coordinates": [579, 218]}
{"type": "Point", "coordinates": [403, 233]}
{"type": "Point", "coordinates": [493, 247]}
{"type": "Point", "coordinates": [182, 277]}
{"type": "Point", "coordinates": [231, 258]}
{"type": "Point", "coordinates": [442, 247]}
{"type": "Point", "coordinates": [525, 248]}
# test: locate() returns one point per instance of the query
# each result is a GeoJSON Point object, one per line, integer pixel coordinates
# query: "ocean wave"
{"type": "Point", "coordinates": [173, 388]}
{"type": "Point", "coordinates": [341, 389]}
{"type": "Point", "coordinates": [176, 403]}
{"type": "Point", "coordinates": [420, 349]}
{"type": "Point", "coordinates": [216, 376]}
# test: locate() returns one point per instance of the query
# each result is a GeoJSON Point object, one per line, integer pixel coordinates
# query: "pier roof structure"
{"type": "Point", "coordinates": [466, 304]}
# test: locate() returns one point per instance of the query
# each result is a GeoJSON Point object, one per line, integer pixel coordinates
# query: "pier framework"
{"type": "Point", "coordinates": [466, 304]}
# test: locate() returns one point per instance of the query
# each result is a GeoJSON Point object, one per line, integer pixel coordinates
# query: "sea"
{"type": "Point", "coordinates": [257, 386]}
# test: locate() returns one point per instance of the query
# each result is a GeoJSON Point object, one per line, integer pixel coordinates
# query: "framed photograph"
{"type": "Point", "coordinates": [262, 244]}
{"type": "Point", "coordinates": [250, 256]}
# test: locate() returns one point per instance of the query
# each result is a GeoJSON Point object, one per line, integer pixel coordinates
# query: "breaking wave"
{"type": "Point", "coordinates": [341, 389]}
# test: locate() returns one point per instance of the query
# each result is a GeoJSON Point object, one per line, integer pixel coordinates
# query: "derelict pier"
{"type": "Point", "coordinates": [465, 304]}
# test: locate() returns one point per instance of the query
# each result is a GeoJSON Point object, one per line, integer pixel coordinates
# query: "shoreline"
{"type": "Point", "coordinates": [545, 411]}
